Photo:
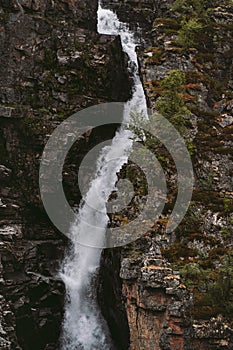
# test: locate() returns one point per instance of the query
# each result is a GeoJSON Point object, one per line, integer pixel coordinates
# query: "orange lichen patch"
{"type": "Point", "coordinates": [192, 49]}
{"type": "Point", "coordinates": [229, 102]}
{"type": "Point", "coordinates": [174, 325]}
{"type": "Point", "coordinates": [154, 267]}
{"type": "Point", "coordinates": [153, 49]}
{"type": "Point", "coordinates": [191, 259]}
{"type": "Point", "coordinates": [153, 82]}
{"type": "Point", "coordinates": [201, 79]}
{"type": "Point", "coordinates": [187, 97]}
{"type": "Point", "coordinates": [153, 87]}
{"type": "Point", "coordinates": [148, 83]}
{"type": "Point", "coordinates": [146, 235]}
{"type": "Point", "coordinates": [178, 251]}
{"type": "Point", "coordinates": [162, 221]}
{"type": "Point", "coordinates": [158, 90]}
{"type": "Point", "coordinates": [217, 104]}
{"type": "Point", "coordinates": [203, 238]}
{"type": "Point", "coordinates": [193, 86]}
{"type": "Point", "coordinates": [199, 66]}
{"type": "Point", "coordinates": [174, 49]}
{"type": "Point", "coordinates": [217, 252]}
{"type": "Point", "coordinates": [227, 193]}
{"type": "Point", "coordinates": [182, 286]}
{"type": "Point", "coordinates": [222, 342]}
{"type": "Point", "coordinates": [194, 77]}
{"type": "Point", "coordinates": [177, 343]}
{"type": "Point", "coordinates": [172, 277]}
{"type": "Point", "coordinates": [142, 305]}
{"type": "Point", "coordinates": [122, 219]}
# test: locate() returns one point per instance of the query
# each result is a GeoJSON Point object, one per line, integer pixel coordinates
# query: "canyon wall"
{"type": "Point", "coordinates": [172, 286]}
{"type": "Point", "coordinates": [155, 293]}
{"type": "Point", "coordinates": [52, 64]}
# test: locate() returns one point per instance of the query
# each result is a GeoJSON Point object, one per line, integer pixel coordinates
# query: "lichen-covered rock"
{"type": "Point", "coordinates": [156, 301]}
{"type": "Point", "coordinates": [180, 305]}
{"type": "Point", "coordinates": [52, 64]}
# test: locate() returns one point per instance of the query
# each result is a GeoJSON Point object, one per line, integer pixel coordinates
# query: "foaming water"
{"type": "Point", "coordinates": [84, 328]}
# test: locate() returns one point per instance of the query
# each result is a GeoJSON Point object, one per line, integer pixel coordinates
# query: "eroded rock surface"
{"type": "Point", "coordinates": [52, 64]}
{"type": "Point", "coordinates": [179, 305]}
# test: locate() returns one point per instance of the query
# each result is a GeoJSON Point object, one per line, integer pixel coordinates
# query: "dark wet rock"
{"type": "Point", "coordinates": [53, 63]}
{"type": "Point", "coordinates": [5, 173]}
{"type": "Point", "coordinates": [154, 297]}
{"type": "Point", "coordinates": [138, 14]}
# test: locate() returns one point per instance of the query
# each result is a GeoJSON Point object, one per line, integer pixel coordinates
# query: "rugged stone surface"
{"type": "Point", "coordinates": [156, 301]}
{"type": "Point", "coordinates": [52, 64]}
{"type": "Point", "coordinates": [138, 14]}
{"type": "Point", "coordinates": [111, 298]}
{"type": "Point", "coordinates": [168, 309]}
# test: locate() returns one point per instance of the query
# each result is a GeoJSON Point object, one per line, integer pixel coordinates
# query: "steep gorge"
{"type": "Point", "coordinates": [53, 64]}
{"type": "Point", "coordinates": [155, 271]}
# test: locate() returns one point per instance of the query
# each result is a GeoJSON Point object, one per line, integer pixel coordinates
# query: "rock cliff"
{"type": "Point", "coordinates": [176, 289]}
{"type": "Point", "coordinates": [163, 291]}
{"type": "Point", "coordinates": [53, 63]}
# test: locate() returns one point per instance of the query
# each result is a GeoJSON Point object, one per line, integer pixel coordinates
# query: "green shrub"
{"type": "Point", "coordinates": [170, 104]}
{"type": "Point", "coordinates": [228, 205]}
{"type": "Point", "coordinates": [194, 8]}
{"type": "Point", "coordinates": [191, 147]}
{"type": "Point", "coordinates": [189, 34]}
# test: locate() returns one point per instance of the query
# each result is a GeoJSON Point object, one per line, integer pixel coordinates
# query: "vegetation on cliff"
{"type": "Point", "coordinates": [200, 40]}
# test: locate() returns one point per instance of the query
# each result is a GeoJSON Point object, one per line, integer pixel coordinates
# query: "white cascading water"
{"type": "Point", "coordinates": [84, 328]}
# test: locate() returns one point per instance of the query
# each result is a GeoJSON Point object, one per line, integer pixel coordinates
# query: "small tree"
{"type": "Point", "coordinates": [171, 104]}
{"type": "Point", "coordinates": [221, 291]}
{"type": "Point", "coordinates": [194, 8]}
{"type": "Point", "coordinates": [189, 34]}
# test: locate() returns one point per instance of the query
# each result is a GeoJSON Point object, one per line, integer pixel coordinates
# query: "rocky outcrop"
{"type": "Point", "coordinates": [52, 60]}
{"type": "Point", "coordinates": [138, 14]}
{"type": "Point", "coordinates": [53, 63]}
{"type": "Point", "coordinates": [172, 286]}
{"type": "Point", "coordinates": [150, 293]}
{"type": "Point", "coordinates": [155, 292]}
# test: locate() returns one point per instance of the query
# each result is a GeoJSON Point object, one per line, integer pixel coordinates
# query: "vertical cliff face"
{"type": "Point", "coordinates": [155, 303]}
{"type": "Point", "coordinates": [176, 289]}
{"type": "Point", "coordinates": [138, 14]}
{"type": "Point", "coordinates": [163, 291]}
{"type": "Point", "coordinates": [52, 64]}
{"type": "Point", "coordinates": [141, 284]}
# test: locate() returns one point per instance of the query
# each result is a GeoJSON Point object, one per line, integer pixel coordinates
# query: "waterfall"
{"type": "Point", "coordinates": [84, 328]}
